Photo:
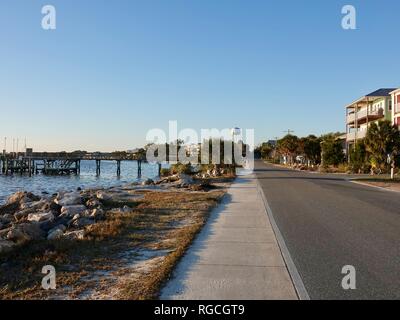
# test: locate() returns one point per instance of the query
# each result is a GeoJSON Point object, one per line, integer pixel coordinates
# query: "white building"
{"type": "Point", "coordinates": [369, 108]}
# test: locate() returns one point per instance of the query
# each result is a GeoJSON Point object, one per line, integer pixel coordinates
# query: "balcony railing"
{"type": "Point", "coordinates": [360, 134]}
{"type": "Point", "coordinates": [363, 113]}
{"type": "Point", "coordinates": [351, 117]}
{"type": "Point", "coordinates": [397, 108]}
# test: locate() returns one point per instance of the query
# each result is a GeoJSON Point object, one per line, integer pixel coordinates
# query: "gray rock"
{"type": "Point", "coordinates": [58, 227]}
{"type": "Point", "coordinates": [47, 225]}
{"type": "Point", "coordinates": [23, 213]}
{"type": "Point", "coordinates": [17, 235]}
{"type": "Point", "coordinates": [147, 182]}
{"type": "Point", "coordinates": [40, 216]}
{"type": "Point", "coordinates": [6, 246]}
{"type": "Point", "coordinates": [70, 211]}
{"type": "Point", "coordinates": [103, 196]}
{"type": "Point", "coordinates": [35, 205]}
{"type": "Point", "coordinates": [185, 179]}
{"type": "Point", "coordinates": [22, 197]}
{"type": "Point", "coordinates": [74, 235]}
{"type": "Point", "coordinates": [68, 199]}
{"type": "Point", "coordinates": [56, 234]}
{"type": "Point", "coordinates": [55, 208]}
{"type": "Point", "coordinates": [3, 232]}
{"type": "Point", "coordinates": [25, 232]}
{"type": "Point", "coordinates": [82, 222]}
{"type": "Point", "coordinates": [7, 218]}
{"type": "Point", "coordinates": [97, 214]}
{"type": "Point", "coordinates": [62, 221]}
{"type": "Point", "coordinates": [93, 203]}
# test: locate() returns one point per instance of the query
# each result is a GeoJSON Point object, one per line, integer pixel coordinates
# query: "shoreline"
{"type": "Point", "coordinates": [48, 184]}
{"type": "Point", "coordinates": [120, 231]}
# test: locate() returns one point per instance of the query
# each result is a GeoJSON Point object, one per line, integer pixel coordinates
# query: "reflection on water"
{"type": "Point", "coordinates": [87, 179]}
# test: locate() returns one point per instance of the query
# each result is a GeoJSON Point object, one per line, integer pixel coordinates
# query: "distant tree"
{"type": "Point", "coordinates": [141, 153]}
{"type": "Point", "coordinates": [311, 148]}
{"type": "Point", "coordinates": [264, 150]}
{"type": "Point", "coordinates": [332, 150]}
{"type": "Point", "coordinates": [288, 147]}
{"type": "Point", "coordinates": [119, 154]}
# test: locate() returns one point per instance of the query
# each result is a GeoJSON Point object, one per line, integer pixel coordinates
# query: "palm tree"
{"type": "Point", "coordinates": [383, 143]}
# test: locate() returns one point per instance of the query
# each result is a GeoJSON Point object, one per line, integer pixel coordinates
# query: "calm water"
{"type": "Point", "coordinates": [87, 179]}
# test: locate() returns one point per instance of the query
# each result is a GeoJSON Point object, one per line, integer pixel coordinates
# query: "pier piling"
{"type": "Point", "coordinates": [118, 168]}
{"type": "Point", "coordinates": [139, 173]}
{"type": "Point", "coordinates": [98, 169]}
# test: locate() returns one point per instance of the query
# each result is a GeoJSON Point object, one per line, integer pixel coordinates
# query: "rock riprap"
{"type": "Point", "coordinates": [26, 217]}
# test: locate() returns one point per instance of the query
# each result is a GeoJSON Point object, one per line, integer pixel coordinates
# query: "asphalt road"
{"type": "Point", "coordinates": [327, 223]}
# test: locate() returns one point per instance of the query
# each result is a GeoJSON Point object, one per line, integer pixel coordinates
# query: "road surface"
{"type": "Point", "coordinates": [328, 222]}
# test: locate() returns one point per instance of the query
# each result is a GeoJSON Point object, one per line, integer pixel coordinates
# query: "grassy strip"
{"type": "Point", "coordinates": [158, 220]}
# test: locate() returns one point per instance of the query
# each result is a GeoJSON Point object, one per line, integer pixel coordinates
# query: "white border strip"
{"type": "Point", "coordinates": [294, 274]}
{"type": "Point", "coordinates": [366, 184]}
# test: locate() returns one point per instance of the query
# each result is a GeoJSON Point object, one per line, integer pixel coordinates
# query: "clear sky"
{"type": "Point", "coordinates": [112, 70]}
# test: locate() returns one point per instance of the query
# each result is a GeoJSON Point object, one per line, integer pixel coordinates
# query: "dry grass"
{"type": "Point", "coordinates": [158, 221]}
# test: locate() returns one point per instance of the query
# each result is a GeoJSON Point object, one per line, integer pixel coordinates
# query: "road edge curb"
{"type": "Point", "coordinates": [293, 272]}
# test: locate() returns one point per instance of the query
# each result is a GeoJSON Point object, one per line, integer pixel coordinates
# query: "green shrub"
{"type": "Point", "coordinates": [181, 168]}
{"type": "Point", "coordinates": [165, 172]}
{"type": "Point", "coordinates": [359, 158]}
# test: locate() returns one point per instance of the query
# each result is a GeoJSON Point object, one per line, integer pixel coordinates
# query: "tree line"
{"type": "Point", "coordinates": [377, 153]}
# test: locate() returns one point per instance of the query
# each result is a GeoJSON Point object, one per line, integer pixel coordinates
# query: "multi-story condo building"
{"type": "Point", "coordinates": [396, 107]}
{"type": "Point", "coordinates": [362, 112]}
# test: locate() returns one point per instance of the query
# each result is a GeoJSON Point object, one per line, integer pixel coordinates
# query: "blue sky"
{"type": "Point", "coordinates": [112, 70]}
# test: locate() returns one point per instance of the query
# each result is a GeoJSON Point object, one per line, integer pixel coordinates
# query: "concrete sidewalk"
{"type": "Point", "coordinates": [236, 255]}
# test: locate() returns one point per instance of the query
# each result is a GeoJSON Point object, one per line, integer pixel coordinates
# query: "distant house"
{"type": "Point", "coordinates": [396, 107]}
{"type": "Point", "coordinates": [193, 149]}
{"type": "Point", "coordinates": [273, 142]}
{"type": "Point", "coordinates": [361, 113]}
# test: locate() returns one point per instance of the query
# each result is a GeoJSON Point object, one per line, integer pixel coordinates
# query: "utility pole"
{"type": "Point", "coordinates": [288, 131]}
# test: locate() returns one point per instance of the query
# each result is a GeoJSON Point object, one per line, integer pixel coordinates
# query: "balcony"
{"type": "Point", "coordinates": [364, 114]}
{"type": "Point", "coordinates": [360, 134]}
{"type": "Point", "coordinates": [351, 117]}
{"type": "Point", "coordinates": [397, 108]}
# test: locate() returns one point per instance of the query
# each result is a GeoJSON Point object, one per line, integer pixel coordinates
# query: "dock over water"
{"type": "Point", "coordinates": [63, 163]}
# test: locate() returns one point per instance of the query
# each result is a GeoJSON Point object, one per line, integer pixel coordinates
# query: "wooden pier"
{"type": "Point", "coordinates": [30, 163]}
